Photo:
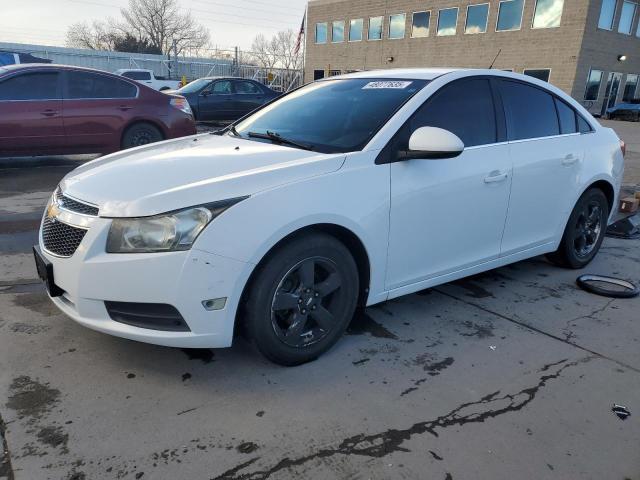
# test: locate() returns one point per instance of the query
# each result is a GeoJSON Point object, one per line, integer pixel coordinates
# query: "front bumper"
{"type": "Point", "coordinates": [181, 279]}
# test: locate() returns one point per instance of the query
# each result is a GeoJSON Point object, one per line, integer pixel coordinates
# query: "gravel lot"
{"type": "Point", "coordinates": [510, 374]}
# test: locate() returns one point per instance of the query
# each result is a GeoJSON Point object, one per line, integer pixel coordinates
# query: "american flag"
{"type": "Point", "coordinates": [300, 35]}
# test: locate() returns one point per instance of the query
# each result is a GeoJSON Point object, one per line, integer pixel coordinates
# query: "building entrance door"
{"type": "Point", "coordinates": [611, 92]}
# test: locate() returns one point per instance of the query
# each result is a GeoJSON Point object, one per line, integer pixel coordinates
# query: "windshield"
{"type": "Point", "coordinates": [333, 115]}
{"type": "Point", "coordinates": [194, 86]}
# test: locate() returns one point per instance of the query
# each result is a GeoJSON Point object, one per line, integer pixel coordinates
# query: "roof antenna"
{"type": "Point", "coordinates": [494, 60]}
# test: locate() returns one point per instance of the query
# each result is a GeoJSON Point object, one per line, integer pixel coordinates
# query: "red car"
{"type": "Point", "coordinates": [54, 109]}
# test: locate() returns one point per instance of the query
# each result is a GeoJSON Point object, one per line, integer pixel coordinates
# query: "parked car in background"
{"type": "Point", "coordinates": [54, 109]}
{"type": "Point", "coordinates": [223, 98]}
{"type": "Point", "coordinates": [13, 58]}
{"type": "Point", "coordinates": [625, 111]}
{"type": "Point", "coordinates": [349, 191]}
{"type": "Point", "coordinates": [148, 78]}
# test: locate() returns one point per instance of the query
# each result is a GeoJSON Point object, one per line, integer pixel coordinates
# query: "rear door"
{"type": "Point", "coordinates": [249, 96]}
{"type": "Point", "coordinates": [31, 113]}
{"type": "Point", "coordinates": [218, 102]}
{"type": "Point", "coordinates": [96, 107]}
{"type": "Point", "coordinates": [547, 157]}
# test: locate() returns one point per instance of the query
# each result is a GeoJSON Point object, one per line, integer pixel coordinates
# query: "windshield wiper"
{"type": "Point", "coordinates": [277, 138]}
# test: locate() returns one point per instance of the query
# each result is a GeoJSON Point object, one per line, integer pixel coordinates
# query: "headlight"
{"type": "Point", "coordinates": [169, 232]}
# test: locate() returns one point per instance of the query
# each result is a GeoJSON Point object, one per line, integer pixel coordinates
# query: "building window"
{"type": "Point", "coordinates": [334, 73]}
{"type": "Point", "coordinates": [539, 73]}
{"type": "Point", "coordinates": [397, 26]}
{"type": "Point", "coordinates": [337, 31]}
{"type": "Point", "coordinates": [593, 85]}
{"type": "Point", "coordinates": [375, 28]}
{"type": "Point", "coordinates": [547, 13]}
{"type": "Point", "coordinates": [318, 74]}
{"type": "Point", "coordinates": [420, 25]}
{"type": "Point", "coordinates": [321, 33]}
{"type": "Point", "coordinates": [627, 17]}
{"type": "Point", "coordinates": [355, 30]}
{"type": "Point", "coordinates": [630, 88]}
{"type": "Point", "coordinates": [607, 14]}
{"type": "Point", "coordinates": [510, 15]}
{"type": "Point", "coordinates": [447, 21]}
{"type": "Point", "coordinates": [477, 18]}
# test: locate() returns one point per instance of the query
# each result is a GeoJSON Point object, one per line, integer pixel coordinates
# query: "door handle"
{"type": "Point", "coordinates": [569, 159]}
{"type": "Point", "coordinates": [496, 176]}
{"type": "Point", "coordinates": [124, 108]}
{"type": "Point", "coordinates": [49, 113]}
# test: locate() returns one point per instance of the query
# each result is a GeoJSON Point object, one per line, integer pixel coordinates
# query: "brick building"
{"type": "Point", "coordinates": [589, 48]}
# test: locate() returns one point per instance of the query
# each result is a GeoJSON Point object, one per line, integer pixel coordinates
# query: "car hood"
{"type": "Point", "coordinates": [191, 171]}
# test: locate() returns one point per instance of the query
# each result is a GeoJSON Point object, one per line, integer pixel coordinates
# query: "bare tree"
{"type": "Point", "coordinates": [279, 52]}
{"type": "Point", "coordinates": [95, 36]}
{"type": "Point", "coordinates": [162, 22]}
{"type": "Point", "coordinates": [264, 52]}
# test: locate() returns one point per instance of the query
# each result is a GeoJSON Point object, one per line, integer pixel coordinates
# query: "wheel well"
{"type": "Point", "coordinates": [141, 122]}
{"type": "Point", "coordinates": [607, 189]}
{"type": "Point", "coordinates": [346, 236]}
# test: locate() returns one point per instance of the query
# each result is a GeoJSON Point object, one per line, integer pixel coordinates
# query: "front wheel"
{"type": "Point", "coordinates": [301, 299]}
{"type": "Point", "coordinates": [584, 232]}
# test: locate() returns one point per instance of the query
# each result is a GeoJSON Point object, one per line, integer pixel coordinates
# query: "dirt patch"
{"type": "Point", "coordinates": [31, 399]}
{"type": "Point", "coordinates": [28, 328]}
{"type": "Point", "coordinates": [363, 323]}
{"type": "Point", "coordinates": [36, 302]}
{"type": "Point", "coordinates": [54, 436]}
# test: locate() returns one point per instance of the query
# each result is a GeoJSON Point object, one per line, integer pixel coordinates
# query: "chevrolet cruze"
{"type": "Point", "coordinates": [346, 192]}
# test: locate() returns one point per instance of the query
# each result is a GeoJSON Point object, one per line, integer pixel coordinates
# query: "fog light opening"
{"type": "Point", "coordinates": [214, 304]}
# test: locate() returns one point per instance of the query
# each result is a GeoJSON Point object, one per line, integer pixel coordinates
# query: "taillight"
{"type": "Point", "coordinates": [182, 104]}
{"type": "Point", "coordinates": [623, 147]}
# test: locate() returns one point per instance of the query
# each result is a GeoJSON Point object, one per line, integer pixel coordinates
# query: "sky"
{"type": "Point", "coordinates": [230, 22]}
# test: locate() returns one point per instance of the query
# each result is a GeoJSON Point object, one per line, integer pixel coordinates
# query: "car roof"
{"type": "Point", "coordinates": [49, 66]}
{"type": "Point", "coordinates": [400, 73]}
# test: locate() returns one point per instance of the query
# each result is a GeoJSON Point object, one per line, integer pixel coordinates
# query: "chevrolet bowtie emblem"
{"type": "Point", "coordinates": [53, 211]}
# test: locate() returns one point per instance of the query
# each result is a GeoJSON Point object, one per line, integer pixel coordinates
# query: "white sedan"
{"type": "Point", "coordinates": [346, 192]}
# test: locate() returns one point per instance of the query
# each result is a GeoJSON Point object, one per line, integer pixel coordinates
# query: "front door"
{"type": "Point", "coordinates": [611, 92]}
{"type": "Point", "coordinates": [31, 114]}
{"type": "Point", "coordinates": [447, 215]}
{"type": "Point", "coordinates": [217, 102]}
{"type": "Point", "coordinates": [547, 156]}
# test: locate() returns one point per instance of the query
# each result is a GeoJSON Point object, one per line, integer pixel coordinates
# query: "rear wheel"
{"type": "Point", "coordinates": [301, 299]}
{"type": "Point", "coordinates": [584, 232]}
{"type": "Point", "coordinates": [141, 134]}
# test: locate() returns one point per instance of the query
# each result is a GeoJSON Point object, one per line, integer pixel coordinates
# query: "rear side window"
{"type": "Point", "coordinates": [88, 85]}
{"type": "Point", "coordinates": [465, 108]}
{"type": "Point", "coordinates": [567, 117]}
{"type": "Point", "coordinates": [247, 87]}
{"type": "Point", "coordinates": [137, 75]}
{"type": "Point", "coordinates": [583, 125]}
{"type": "Point", "coordinates": [31, 86]}
{"type": "Point", "coordinates": [530, 111]}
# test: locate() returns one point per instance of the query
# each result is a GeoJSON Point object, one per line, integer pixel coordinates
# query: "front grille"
{"type": "Point", "coordinates": [74, 205]}
{"type": "Point", "coordinates": [153, 316]}
{"type": "Point", "coordinates": [61, 239]}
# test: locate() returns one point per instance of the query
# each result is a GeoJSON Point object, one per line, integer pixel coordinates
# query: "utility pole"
{"type": "Point", "coordinates": [236, 64]}
{"type": "Point", "coordinates": [175, 57]}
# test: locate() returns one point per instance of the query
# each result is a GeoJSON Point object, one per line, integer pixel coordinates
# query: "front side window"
{"type": "Point", "coordinates": [333, 115]}
{"type": "Point", "coordinates": [31, 86]}
{"type": "Point", "coordinates": [465, 108]}
{"type": "Point", "coordinates": [355, 30]}
{"type": "Point", "coordinates": [337, 31]}
{"type": "Point", "coordinates": [133, 75]}
{"type": "Point", "coordinates": [447, 21]}
{"type": "Point", "coordinates": [321, 33]}
{"type": "Point", "coordinates": [375, 28]}
{"type": "Point", "coordinates": [567, 117]}
{"type": "Point", "coordinates": [626, 18]}
{"type": "Point", "coordinates": [510, 15]}
{"type": "Point", "coordinates": [593, 85]}
{"type": "Point", "coordinates": [223, 87]}
{"type": "Point", "coordinates": [539, 73]}
{"type": "Point", "coordinates": [607, 14]}
{"type": "Point", "coordinates": [195, 86]}
{"type": "Point", "coordinates": [548, 13]}
{"type": "Point", "coordinates": [630, 88]}
{"type": "Point", "coordinates": [397, 26]}
{"type": "Point", "coordinates": [89, 85]}
{"type": "Point", "coordinates": [420, 24]}
{"type": "Point", "coordinates": [477, 18]}
{"type": "Point", "coordinates": [530, 111]}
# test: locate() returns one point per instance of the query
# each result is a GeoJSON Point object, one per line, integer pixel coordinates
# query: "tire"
{"type": "Point", "coordinates": [301, 299]}
{"type": "Point", "coordinates": [141, 134]}
{"type": "Point", "coordinates": [584, 232]}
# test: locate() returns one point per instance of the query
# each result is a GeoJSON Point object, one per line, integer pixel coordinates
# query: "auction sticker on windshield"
{"type": "Point", "coordinates": [387, 84]}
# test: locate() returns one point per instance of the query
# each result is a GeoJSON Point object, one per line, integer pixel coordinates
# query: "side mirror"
{"type": "Point", "coordinates": [431, 143]}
